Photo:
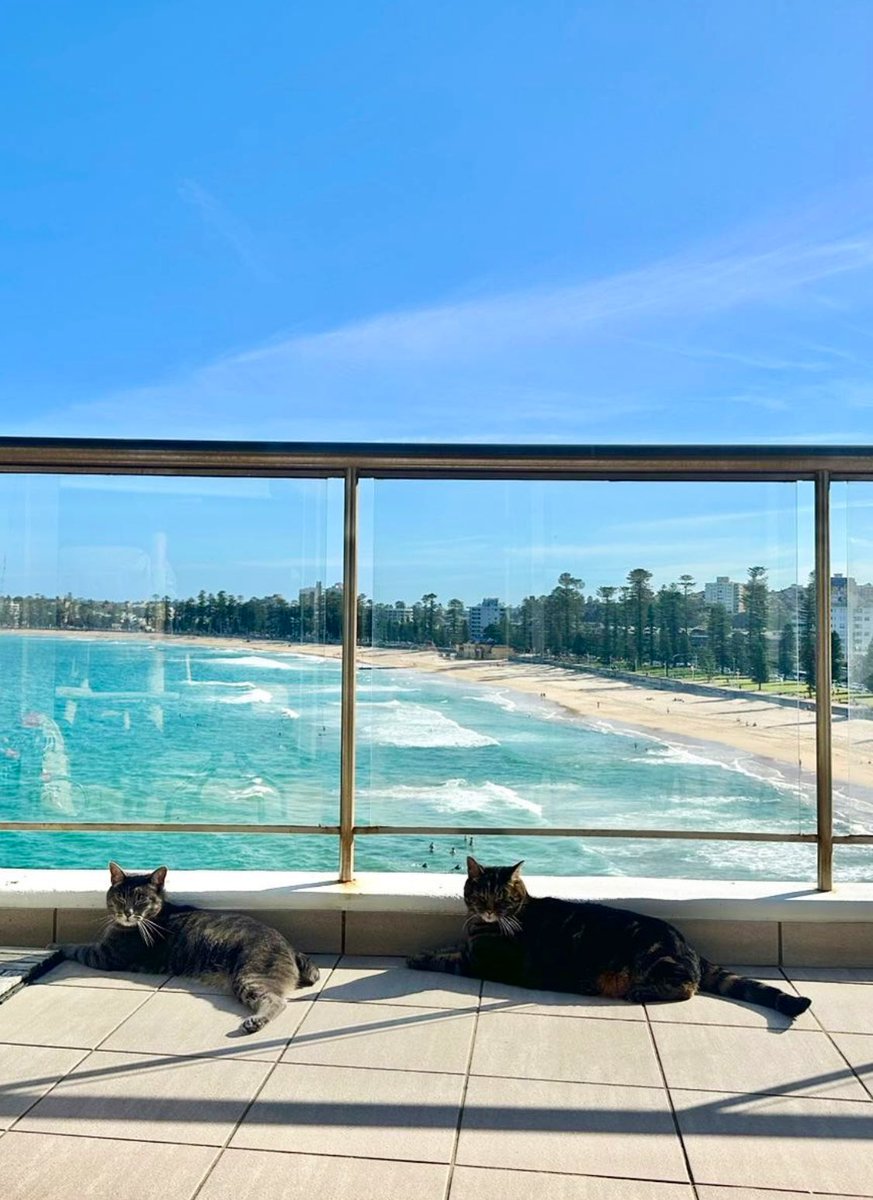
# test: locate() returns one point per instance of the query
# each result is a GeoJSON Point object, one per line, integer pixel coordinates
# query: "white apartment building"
{"type": "Point", "coordinates": [851, 615]}
{"type": "Point", "coordinates": [480, 616]}
{"type": "Point", "coordinates": [726, 592]}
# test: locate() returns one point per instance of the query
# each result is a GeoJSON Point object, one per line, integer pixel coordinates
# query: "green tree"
{"type": "Point", "coordinates": [838, 660]}
{"type": "Point", "coordinates": [718, 624]}
{"type": "Point", "coordinates": [670, 630]}
{"type": "Point", "coordinates": [739, 655]}
{"type": "Point", "coordinates": [428, 602]}
{"type": "Point", "coordinates": [456, 621]}
{"type": "Point", "coordinates": [786, 663]}
{"type": "Point", "coordinates": [564, 613]}
{"type": "Point", "coordinates": [639, 599]}
{"type": "Point", "coordinates": [756, 618]}
{"type": "Point", "coordinates": [608, 627]}
{"type": "Point", "coordinates": [707, 663]}
{"type": "Point", "coordinates": [687, 583]}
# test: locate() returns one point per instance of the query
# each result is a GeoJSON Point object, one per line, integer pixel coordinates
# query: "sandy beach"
{"type": "Point", "coordinates": [749, 724]}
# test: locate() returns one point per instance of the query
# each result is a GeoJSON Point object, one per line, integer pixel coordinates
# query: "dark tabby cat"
{"type": "Point", "coordinates": [147, 932]}
{"type": "Point", "coordinates": [576, 946]}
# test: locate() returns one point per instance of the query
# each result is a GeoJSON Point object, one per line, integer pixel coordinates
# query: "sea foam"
{"type": "Point", "coordinates": [256, 661]}
{"type": "Point", "coordinates": [254, 696]}
{"type": "Point", "coordinates": [394, 723]}
{"type": "Point", "coordinates": [456, 796]}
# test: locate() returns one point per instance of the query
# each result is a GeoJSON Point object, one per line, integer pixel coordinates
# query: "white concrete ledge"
{"type": "Point", "coordinates": [441, 894]}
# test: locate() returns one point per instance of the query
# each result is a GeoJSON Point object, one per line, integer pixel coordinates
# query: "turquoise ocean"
{"type": "Point", "coordinates": [136, 730]}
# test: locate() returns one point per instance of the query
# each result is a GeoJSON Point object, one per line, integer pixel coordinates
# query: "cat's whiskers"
{"type": "Point", "coordinates": [154, 931]}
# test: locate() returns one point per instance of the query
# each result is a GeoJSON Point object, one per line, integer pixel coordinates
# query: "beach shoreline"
{"type": "Point", "coordinates": [778, 736]}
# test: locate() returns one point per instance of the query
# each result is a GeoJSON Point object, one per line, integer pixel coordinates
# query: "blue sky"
{"type": "Point", "coordinates": [566, 222]}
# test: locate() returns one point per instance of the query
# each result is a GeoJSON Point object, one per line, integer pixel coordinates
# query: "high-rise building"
{"type": "Point", "coordinates": [480, 616]}
{"type": "Point", "coordinates": [851, 615]}
{"type": "Point", "coordinates": [726, 592]}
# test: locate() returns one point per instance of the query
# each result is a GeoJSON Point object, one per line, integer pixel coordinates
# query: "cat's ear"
{"type": "Point", "coordinates": [474, 870]}
{"type": "Point", "coordinates": [158, 877]}
{"type": "Point", "coordinates": [516, 871]}
{"type": "Point", "coordinates": [116, 874]}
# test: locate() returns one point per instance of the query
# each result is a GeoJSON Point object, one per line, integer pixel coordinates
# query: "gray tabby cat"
{"type": "Point", "coordinates": [147, 932]}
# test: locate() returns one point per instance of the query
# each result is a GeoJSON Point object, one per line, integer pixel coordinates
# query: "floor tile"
{"type": "Point", "coordinates": [586, 1050]}
{"type": "Point", "coordinates": [149, 1099]}
{"type": "Point", "coordinates": [524, 1124]}
{"type": "Point", "coordinates": [357, 1113]}
{"type": "Point", "coordinates": [858, 1049]}
{"type": "Point", "coordinates": [705, 1009]}
{"type": "Point", "coordinates": [43, 1166]}
{"type": "Point", "coordinates": [20, 965]}
{"type": "Point", "coordinates": [256, 1174]}
{"type": "Point", "coordinates": [207, 1025]}
{"type": "Point", "coordinates": [501, 997]}
{"type": "Point", "coordinates": [486, 1183]}
{"type": "Point", "coordinates": [726, 1193]}
{"type": "Point", "coordinates": [830, 974]}
{"type": "Point", "coordinates": [791, 1142]}
{"type": "Point", "coordinates": [77, 975]}
{"type": "Point", "coordinates": [384, 1035]}
{"type": "Point", "coordinates": [844, 1007]}
{"type": "Point", "coordinates": [733, 1059]}
{"type": "Point", "coordinates": [70, 1016]}
{"type": "Point", "coordinates": [388, 980]}
{"type": "Point", "coordinates": [220, 986]}
{"type": "Point", "coordinates": [28, 1072]}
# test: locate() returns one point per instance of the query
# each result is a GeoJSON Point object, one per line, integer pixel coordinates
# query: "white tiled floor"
{"type": "Point", "coordinates": [384, 1082]}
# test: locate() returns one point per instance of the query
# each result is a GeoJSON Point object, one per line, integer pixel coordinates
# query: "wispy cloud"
{"type": "Point", "coordinates": [664, 352]}
{"type": "Point", "coordinates": [222, 222]}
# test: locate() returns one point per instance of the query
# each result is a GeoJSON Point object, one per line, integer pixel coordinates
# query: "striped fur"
{"type": "Point", "coordinates": [145, 931]}
{"type": "Point", "coordinates": [577, 946]}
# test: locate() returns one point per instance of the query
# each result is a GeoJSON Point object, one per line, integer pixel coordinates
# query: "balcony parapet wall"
{"type": "Point", "coordinates": [751, 923]}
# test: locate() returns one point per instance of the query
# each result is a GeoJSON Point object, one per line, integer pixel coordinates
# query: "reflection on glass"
{"type": "Point", "coordinates": [157, 665]}
{"type": "Point", "coordinates": [643, 858]}
{"type": "Point", "coordinates": [590, 655]}
{"type": "Point", "coordinates": [852, 669]}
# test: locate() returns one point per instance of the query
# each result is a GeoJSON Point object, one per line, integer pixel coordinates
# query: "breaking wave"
{"type": "Point", "coordinates": [254, 696]}
{"type": "Point", "coordinates": [457, 796]}
{"type": "Point", "coordinates": [393, 723]}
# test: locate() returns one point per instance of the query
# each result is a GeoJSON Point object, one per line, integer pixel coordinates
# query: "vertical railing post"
{"type": "Point", "coordinates": [823, 684]}
{"type": "Point", "coordinates": [350, 642]}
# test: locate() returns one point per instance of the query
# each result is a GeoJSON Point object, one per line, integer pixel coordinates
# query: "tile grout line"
{"type": "Point", "coordinates": [669, 1095]}
{"type": "Point", "coordinates": [466, 1084]}
{"type": "Point", "coordinates": [829, 1035]}
{"type": "Point", "coordinates": [269, 1075]}
{"type": "Point", "coordinates": [40, 1098]}
{"type": "Point", "coordinates": [86, 1054]}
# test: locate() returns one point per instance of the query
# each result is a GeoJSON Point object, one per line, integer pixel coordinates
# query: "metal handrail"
{"type": "Point", "coordinates": [353, 462]}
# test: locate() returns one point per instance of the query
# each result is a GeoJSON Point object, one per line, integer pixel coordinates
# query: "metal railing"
{"type": "Point", "coordinates": [353, 463]}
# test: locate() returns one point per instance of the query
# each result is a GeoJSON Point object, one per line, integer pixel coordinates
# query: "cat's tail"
{"type": "Point", "coordinates": [306, 969]}
{"type": "Point", "coordinates": [720, 982]}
